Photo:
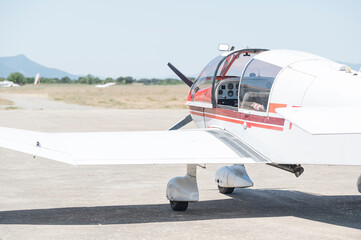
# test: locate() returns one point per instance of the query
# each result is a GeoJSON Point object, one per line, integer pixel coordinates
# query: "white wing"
{"type": "Point", "coordinates": [152, 147]}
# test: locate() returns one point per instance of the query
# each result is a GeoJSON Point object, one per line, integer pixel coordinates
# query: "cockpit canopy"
{"type": "Point", "coordinates": [219, 82]}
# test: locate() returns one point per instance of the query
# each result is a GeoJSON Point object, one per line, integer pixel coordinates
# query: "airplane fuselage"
{"type": "Point", "coordinates": [245, 91]}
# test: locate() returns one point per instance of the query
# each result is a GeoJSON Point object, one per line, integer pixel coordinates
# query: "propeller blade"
{"type": "Point", "coordinates": [180, 75]}
{"type": "Point", "coordinates": [181, 123]}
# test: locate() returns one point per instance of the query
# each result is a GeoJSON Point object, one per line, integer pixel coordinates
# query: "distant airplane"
{"type": "Point", "coordinates": [8, 84]}
{"type": "Point", "coordinates": [37, 79]}
{"type": "Point", "coordinates": [105, 85]}
{"type": "Point", "coordinates": [283, 108]}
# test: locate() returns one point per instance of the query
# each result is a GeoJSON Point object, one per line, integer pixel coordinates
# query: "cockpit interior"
{"type": "Point", "coordinates": [237, 80]}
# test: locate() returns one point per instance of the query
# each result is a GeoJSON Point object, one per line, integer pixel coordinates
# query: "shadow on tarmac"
{"type": "Point", "coordinates": [245, 203]}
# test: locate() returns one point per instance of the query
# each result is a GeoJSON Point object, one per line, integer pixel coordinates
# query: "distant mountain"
{"type": "Point", "coordinates": [29, 68]}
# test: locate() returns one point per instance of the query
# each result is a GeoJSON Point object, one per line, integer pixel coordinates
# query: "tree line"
{"type": "Point", "coordinates": [20, 79]}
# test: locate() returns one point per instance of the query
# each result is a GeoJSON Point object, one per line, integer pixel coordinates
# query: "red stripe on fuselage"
{"type": "Point", "coordinates": [239, 115]}
{"type": "Point", "coordinates": [239, 118]}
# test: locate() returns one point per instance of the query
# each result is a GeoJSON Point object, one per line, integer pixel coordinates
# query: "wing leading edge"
{"type": "Point", "coordinates": [149, 147]}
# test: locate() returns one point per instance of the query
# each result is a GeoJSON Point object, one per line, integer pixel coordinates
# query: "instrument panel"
{"type": "Point", "coordinates": [227, 93]}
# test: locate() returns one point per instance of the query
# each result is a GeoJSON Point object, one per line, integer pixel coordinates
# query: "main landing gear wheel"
{"type": "Point", "coordinates": [178, 206]}
{"type": "Point", "coordinates": [225, 190]}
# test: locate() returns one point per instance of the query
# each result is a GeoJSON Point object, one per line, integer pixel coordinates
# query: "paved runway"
{"type": "Point", "coordinates": [43, 199]}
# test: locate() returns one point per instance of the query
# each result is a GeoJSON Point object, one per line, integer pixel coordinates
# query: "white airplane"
{"type": "Point", "coordinates": [7, 84]}
{"type": "Point", "coordinates": [105, 85]}
{"type": "Point", "coordinates": [278, 107]}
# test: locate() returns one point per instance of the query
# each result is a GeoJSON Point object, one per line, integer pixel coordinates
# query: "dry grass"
{"type": "Point", "coordinates": [5, 102]}
{"type": "Point", "coordinates": [133, 96]}
{"type": "Point", "coordinates": [11, 108]}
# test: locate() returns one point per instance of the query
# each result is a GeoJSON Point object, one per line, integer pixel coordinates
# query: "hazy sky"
{"type": "Point", "coordinates": [138, 37]}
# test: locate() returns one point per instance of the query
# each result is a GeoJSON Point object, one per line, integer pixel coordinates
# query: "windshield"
{"type": "Point", "coordinates": [201, 89]}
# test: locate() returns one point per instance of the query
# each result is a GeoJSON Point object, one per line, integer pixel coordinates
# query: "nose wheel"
{"type": "Point", "coordinates": [225, 190]}
{"type": "Point", "coordinates": [178, 206]}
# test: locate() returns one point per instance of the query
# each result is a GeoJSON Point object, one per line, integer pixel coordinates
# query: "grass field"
{"type": "Point", "coordinates": [134, 96]}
